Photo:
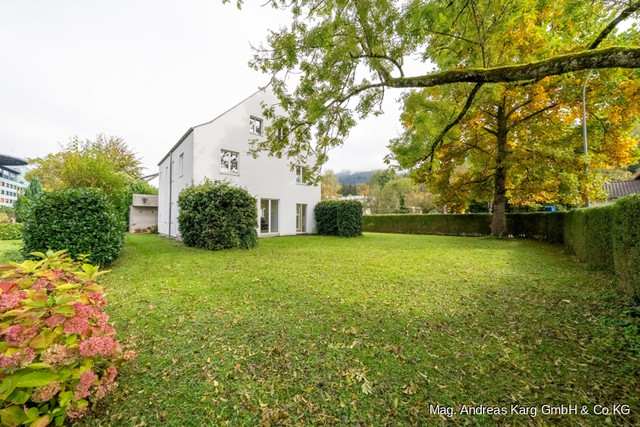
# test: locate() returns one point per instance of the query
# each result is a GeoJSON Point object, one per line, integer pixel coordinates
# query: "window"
{"type": "Point", "coordinates": [268, 216]}
{"type": "Point", "coordinates": [229, 162]}
{"type": "Point", "coordinates": [255, 125]}
{"type": "Point", "coordinates": [181, 165]}
{"type": "Point", "coordinates": [301, 218]}
{"type": "Point", "coordinates": [300, 175]}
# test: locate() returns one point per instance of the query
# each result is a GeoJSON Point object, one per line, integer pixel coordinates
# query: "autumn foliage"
{"type": "Point", "coordinates": [57, 354]}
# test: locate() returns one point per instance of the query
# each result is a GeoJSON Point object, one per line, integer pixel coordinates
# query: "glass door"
{"type": "Point", "coordinates": [268, 216]}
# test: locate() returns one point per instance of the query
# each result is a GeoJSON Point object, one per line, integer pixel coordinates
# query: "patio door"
{"type": "Point", "coordinates": [268, 216]}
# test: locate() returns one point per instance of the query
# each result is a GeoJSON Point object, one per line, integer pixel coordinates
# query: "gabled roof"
{"type": "Point", "coordinates": [206, 123]}
{"type": "Point", "coordinates": [623, 188]}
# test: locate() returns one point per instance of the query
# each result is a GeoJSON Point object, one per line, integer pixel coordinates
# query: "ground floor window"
{"type": "Point", "coordinates": [301, 218]}
{"type": "Point", "coordinates": [268, 216]}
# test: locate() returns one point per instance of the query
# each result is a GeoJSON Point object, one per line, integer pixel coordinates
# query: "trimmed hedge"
{"type": "Point", "coordinates": [540, 226]}
{"type": "Point", "coordinates": [456, 225]}
{"type": "Point", "coordinates": [606, 238]}
{"type": "Point", "coordinates": [81, 220]}
{"type": "Point", "coordinates": [588, 234]}
{"type": "Point", "coordinates": [215, 216]}
{"type": "Point", "coordinates": [339, 218]}
{"type": "Point", "coordinates": [626, 244]}
{"type": "Point", "coordinates": [11, 231]}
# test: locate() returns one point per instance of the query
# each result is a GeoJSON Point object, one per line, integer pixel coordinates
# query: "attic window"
{"type": "Point", "coordinates": [229, 162]}
{"type": "Point", "coordinates": [255, 125]}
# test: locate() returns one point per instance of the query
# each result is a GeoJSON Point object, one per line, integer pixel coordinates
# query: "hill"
{"type": "Point", "coordinates": [355, 178]}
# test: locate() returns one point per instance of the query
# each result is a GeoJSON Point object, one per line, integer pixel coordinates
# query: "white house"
{"type": "Point", "coordinates": [218, 150]}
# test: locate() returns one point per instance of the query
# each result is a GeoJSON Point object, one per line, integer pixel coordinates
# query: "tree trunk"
{"type": "Point", "coordinates": [499, 221]}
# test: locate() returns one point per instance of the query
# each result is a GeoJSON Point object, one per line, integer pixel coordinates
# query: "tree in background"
{"type": "Point", "coordinates": [27, 198]}
{"type": "Point", "coordinates": [516, 142]}
{"type": "Point", "coordinates": [106, 163]}
{"type": "Point", "coordinates": [348, 190]}
{"type": "Point", "coordinates": [388, 192]}
{"type": "Point", "coordinates": [330, 186]}
{"type": "Point", "coordinates": [7, 214]}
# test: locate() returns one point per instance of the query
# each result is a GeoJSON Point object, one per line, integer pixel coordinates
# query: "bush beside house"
{"type": "Point", "coordinates": [339, 218]}
{"type": "Point", "coordinates": [216, 215]}
{"type": "Point", "coordinates": [81, 220]}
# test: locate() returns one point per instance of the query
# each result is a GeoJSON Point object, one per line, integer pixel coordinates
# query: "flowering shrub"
{"type": "Point", "coordinates": [57, 353]}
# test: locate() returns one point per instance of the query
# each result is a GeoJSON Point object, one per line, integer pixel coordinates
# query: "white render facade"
{"type": "Point", "coordinates": [218, 150]}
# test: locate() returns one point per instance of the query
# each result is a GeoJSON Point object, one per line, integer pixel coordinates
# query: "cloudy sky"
{"type": "Point", "coordinates": [142, 70]}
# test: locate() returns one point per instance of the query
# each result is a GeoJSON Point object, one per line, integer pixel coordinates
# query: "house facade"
{"type": "Point", "coordinates": [218, 150]}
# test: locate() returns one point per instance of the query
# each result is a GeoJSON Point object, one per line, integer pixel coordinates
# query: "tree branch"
{"type": "Point", "coordinates": [439, 139]}
{"type": "Point", "coordinates": [611, 57]}
{"type": "Point", "coordinates": [548, 107]}
{"type": "Point", "coordinates": [632, 8]}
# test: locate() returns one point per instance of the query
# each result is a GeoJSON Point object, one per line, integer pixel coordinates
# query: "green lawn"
{"type": "Point", "coordinates": [322, 330]}
{"type": "Point", "coordinates": [9, 250]}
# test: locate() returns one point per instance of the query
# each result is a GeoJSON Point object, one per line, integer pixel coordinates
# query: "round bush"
{"type": "Point", "coordinates": [80, 220]}
{"type": "Point", "coordinates": [215, 216]}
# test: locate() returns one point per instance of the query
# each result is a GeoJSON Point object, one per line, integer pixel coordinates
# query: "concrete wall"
{"type": "Point", "coordinates": [142, 217]}
{"type": "Point", "coordinates": [263, 177]}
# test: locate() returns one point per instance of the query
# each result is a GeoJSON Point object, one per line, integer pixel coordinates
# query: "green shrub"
{"type": "Point", "coordinates": [11, 231]}
{"type": "Point", "coordinates": [626, 244]}
{"type": "Point", "coordinates": [456, 225]}
{"type": "Point", "coordinates": [58, 355]}
{"type": "Point", "coordinates": [339, 218]}
{"type": "Point", "coordinates": [588, 235]}
{"type": "Point", "coordinates": [80, 219]}
{"type": "Point", "coordinates": [537, 225]}
{"type": "Point", "coordinates": [26, 200]}
{"type": "Point", "coordinates": [217, 216]}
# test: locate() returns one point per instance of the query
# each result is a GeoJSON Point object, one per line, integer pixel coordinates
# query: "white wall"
{"type": "Point", "coordinates": [264, 177]}
{"type": "Point", "coordinates": [168, 192]}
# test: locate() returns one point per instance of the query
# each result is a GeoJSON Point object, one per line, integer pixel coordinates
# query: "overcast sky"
{"type": "Point", "coordinates": [142, 70]}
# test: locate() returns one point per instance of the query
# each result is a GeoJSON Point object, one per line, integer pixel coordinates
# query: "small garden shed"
{"type": "Point", "coordinates": [143, 213]}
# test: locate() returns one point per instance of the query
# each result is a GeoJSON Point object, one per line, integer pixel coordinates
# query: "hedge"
{"type": "Point", "coordinates": [540, 226]}
{"type": "Point", "coordinates": [606, 238]}
{"type": "Point", "coordinates": [339, 218]}
{"type": "Point", "coordinates": [215, 216]}
{"type": "Point", "coordinates": [626, 244]}
{"type": "Point", "coordinates": [81, 220]}
{"type": "Point", "coordinates": [588, 234]}
{"type": "Point", "coordinates": [11, 231]}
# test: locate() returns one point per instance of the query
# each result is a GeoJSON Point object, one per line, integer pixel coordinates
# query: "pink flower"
{"type": "Point", "coordinates": [105, 347]}
{"type": "Point", "coordinates": [17, 335]}
{"type": "Point", "coordinates": [19, 360]}
{"type": "Point", "coordinates": [97, 298]}
{"type": "Point", "coordinates": [75, 413]}
{"type": "Point", "coordinates": [59, 354]}
{"type": "Point", "coordinates": [9, 301]}
{"type": "Point", "coordinates": [105, 388]}
{"type": "Point", "coordinates": [83, 310]}
{"type": "Point", "coordinates": [45, 393]}
{"type": "Point", "coordinates": [111, 373]}
{"type": "Point", "coordinates": [76, 325]}
{"type": "Point", "coordinates": [54, 320]}
{"type": "Point", "coordinates": [86, 381]}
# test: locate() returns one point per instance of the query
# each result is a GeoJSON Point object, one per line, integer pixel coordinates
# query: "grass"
{"type": "Point", "coordinates": [372, 330]}
{"type": "Point", "coordinates": [9, 251]}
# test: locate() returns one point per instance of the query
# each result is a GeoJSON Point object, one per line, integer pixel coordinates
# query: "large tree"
{"type": "Point", "coordinates": [344, 54]}
{"type": "Point", "coordinates": [516, 141]}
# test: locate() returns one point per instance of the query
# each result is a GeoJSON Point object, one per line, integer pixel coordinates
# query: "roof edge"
{"type": "Point", "coordinates": [206, 123]}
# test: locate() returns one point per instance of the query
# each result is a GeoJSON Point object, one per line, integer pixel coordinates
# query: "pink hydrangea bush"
{"type": "Point", "coordinates": [57, 350]}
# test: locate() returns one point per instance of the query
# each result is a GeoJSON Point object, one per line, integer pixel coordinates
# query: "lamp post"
{"type": "Point", "coordinates": [584, 124]}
